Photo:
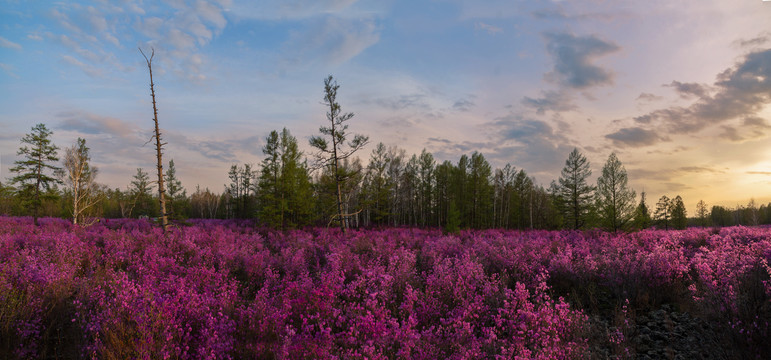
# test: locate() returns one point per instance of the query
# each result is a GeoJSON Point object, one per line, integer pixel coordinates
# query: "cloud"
{"type": "Point", "coordinates": [753, 128]}
{"type": "Point", "coordinates": [689, 90]}
{"type": "Point", "coordinates": [573, 60]}
{"type": "Point", "coordinates": [699, 169]}
{"type": "Point", "coordinates": [528, 143]}
{"type": "Point", "coordinates": [759, 40]}
{"type": "Point", "coordinates": [417, 101]}
{"type": "Point", "coordinates": [560, 14]}
{"type": "Point", "coordinates": [331, 41]}
{"type": "Point", "coordinates": [89, 123]}
{"type": "Point", "coordinates": [557, 101]}
{"type": "Point", "coordinates": [9, 44]}
{"type": "Point", "coordinates": [490, 29]}
{"type": "Point", "coordinates": [756, 122]}
{"type": "Point", "coordinates": [88, 69]}
{"type": "Point", "coordinates": [177, 29]}
{"type": "Point", "coordinates": [463, 105]}
{"type": "Point", "coordinates": [648, 97]}
{"type": "Point", "coordinates": [289, 9]}
{"type": "Point", "coordinates": [673, 187]}
{"type": "Point", "coordinates": [759, 173]}
{"type": "Point", "coordinates": [634, 137]}
{"type": "Point", "coordinates": [741, 91]}
{"type": "Point", "coordinates": [9, 69]}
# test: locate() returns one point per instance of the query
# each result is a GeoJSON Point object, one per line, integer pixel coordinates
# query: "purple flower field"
{"type": "Point", "coordinates": [226, 290]}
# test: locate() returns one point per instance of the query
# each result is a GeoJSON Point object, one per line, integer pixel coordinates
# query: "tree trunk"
{"type": "Point", "coordinates": [158, 146]}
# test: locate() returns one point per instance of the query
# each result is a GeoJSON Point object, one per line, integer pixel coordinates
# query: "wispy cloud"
{"type": "Point", "coordinates": [330, 41]}
{"type": "Point", "coordinates": [289, 9]}
{"type": "Point", "coordinates": [97, 33]}
{"type": "Point", "coordinates": [88, 69]}
{"type": "Point", "coordinates": [557, 101]}
{"type": "Point", "coordinates": [490, 29]}
{"type": "Point", "coordinates": [9, 69]}
{"type": "Point", "coordinates": [561, 14]}
{"type": "Point", "coordinates": [574, 59]}
{"type": "Point", "coordinates": [9, 44]}
{"type": "Point", "coordinates": [463, 104]}
{"type": "Point", "coordinates": [648, 97]}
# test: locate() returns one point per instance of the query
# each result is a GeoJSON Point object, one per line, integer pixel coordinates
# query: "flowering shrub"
{"type": "Point", "coordinates": [225, 290]}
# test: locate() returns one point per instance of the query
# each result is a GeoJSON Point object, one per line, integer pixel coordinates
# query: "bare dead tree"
{"type": "Point", "coordinates": [158, 144]}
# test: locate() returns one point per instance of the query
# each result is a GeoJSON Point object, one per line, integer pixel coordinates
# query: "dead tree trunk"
{"type": "Point", "coordinates": [158, 145]}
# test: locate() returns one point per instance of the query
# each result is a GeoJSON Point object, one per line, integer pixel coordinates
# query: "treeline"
{"type": "Point", "coordinates": [393, 189]}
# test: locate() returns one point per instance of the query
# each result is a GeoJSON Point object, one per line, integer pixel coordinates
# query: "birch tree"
{"type": "Point", "coordinates": [79, 177]}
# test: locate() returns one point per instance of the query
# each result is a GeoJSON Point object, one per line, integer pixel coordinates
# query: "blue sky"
{"type": "Point", "coordinates": [679, 90]}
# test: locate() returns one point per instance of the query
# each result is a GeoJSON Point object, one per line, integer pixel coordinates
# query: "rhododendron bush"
{"type": "Point", "coordinates": [225, 289]}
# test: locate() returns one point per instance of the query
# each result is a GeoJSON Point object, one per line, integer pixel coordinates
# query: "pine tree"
{"type": "Point", "coordinates": [574, 192]}
{"type": "Point", "coordinates": [378, 188]}
{"type": "Point", "coordinates": [140, 194]}
{"type": "Point", "coordinates": [615, 200]}
{"type": "Point", "coordinates": [702, 212]}
{"type": "Point", "coordinates": [175, 193]}
{"type": "Point", "coordinates": [33, 182]}
{"type": "Point", "coordinates": [284, 190]}
{"type": "Point", "coordinates": [481, 190]}
{"type": "Point", "coordinates": [297, 188]}
{"type": "Point", "coordinates": [642, 215]}
{"type": "Point", "coordinates": [332, 156]}
{"type": "Point", "coordinates": [663, 212]}
{"type": "Point", "coordinates": [678, 213]}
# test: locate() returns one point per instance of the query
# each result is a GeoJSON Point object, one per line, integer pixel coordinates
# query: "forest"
{"type": "Point", "coordinates": [392, 189]}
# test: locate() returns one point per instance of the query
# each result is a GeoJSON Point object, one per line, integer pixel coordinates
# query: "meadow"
{"type": "Point", "coordinates": [220, 289]}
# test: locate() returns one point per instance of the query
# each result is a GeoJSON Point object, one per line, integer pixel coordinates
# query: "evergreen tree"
{"type": "Point", "coordinates": [142, 200]}
{"type": "Point", "coordinates": [615, 200]}
{"type": "Point", "coordinates": [426, 186]}
{"type": "Point", "coordinates": [574, 192]}
{"type": "Point", "coordinates": [331, 156]}
{"type": "Point", "coordinates": [663, 212]}
{"type": "Point", "coordinates": [642, 215]}
{"type": "Point", "coordinates": [678, 214]}
{"type": "Point", "coordinates": [297, 183]}
{"type": "Point", "coordinates": [460, 191]}
{"type": "Point", "coordinates": [378, 188]}
{"type": "Point", "coordinates": [480, 191]}
{"type": "Point", "coordinates": [453, 219]}
{"type": "Point", "coordinates": [701, 212]}
{"type": "Point", "coordinates": [33, 182]}
{"type": "Point", "coordinates": [284, 189]}
{"type": "Point", "coordinates": [240, 192]}
{"type": "Point", "coordinates": [175, 193]}
{"type": "Point", "coordinates": [443, 192]}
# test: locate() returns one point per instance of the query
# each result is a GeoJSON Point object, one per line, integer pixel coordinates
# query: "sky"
{"type": "Point", "coordinates": [679, 90]}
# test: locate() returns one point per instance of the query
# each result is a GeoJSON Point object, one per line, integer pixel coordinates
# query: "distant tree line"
{"type": "Point", "coordinates": [394, 189]}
